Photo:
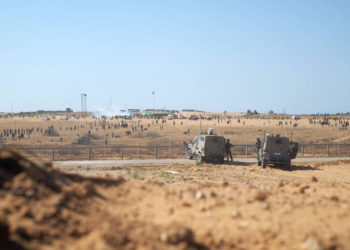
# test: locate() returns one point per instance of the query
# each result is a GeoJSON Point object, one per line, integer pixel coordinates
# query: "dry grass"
{"type": "Point", "coordinates": [244, 132]}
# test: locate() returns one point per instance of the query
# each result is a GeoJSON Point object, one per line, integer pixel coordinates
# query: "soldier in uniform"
{"type": "Point", "coordinates": [258, 143]}
{"type": "Point", "coordinates": [228, 146]}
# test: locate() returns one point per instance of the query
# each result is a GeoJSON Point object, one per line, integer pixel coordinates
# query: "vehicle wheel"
{"type": "Point", "coordinates": [263, 163]}
{"type": "Point", "coordinates": [200, 158]}
{"type": "Point", "coordinates": [259, 163]}
{"type": "Point", "coordinates": [189, 155]}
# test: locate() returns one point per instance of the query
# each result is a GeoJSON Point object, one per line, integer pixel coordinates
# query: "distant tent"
{"type": "Point", "coordinates": [147, 114]}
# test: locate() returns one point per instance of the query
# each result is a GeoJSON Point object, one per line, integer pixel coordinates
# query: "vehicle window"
{"type": "Point", "coordinates": [201, 138]}
{"type": "Point", "coordinates": [195, 140]}
{"type": "Point", "coordinates": [278, 141]}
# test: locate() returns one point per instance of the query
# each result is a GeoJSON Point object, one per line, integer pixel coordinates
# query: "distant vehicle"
{"type": "Point", "coordinates": [63, 117]}
{"type": "Point", "coordinates": [296, 117]}
{"type": "Point", "coordinates": [171, 117]}
{"type": "Point", "coordinates": [208, 147]}
{"type": "Point", "coordinates": [46, 118]}
{"type": "Point", "coordinates": [181, 117]}
{"type": "Point", "coordinates": [276, 150]}
{"type": "Point", "coordinates": [193, 117]}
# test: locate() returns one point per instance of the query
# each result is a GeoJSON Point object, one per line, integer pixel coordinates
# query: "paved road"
{"type": "Point", "coordinates": [166, 161]}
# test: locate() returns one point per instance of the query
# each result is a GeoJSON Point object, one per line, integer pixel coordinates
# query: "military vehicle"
{"type": "Point", "coordinates": [276, 150]}
{"type": "Point", "coordinates": [207, 147]}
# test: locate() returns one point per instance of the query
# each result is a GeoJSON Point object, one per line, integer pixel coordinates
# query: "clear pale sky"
{"type": "Point", "coordinates": [208, 55]}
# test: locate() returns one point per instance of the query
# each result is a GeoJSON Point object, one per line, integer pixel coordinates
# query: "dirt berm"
{"type": "Point", "coordinates": [42, 208]}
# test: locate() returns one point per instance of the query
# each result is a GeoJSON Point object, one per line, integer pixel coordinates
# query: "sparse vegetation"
{"type": "Point", "coordinates": [138, 176]}
{"type": "Point", "coordinates": [184, 179]}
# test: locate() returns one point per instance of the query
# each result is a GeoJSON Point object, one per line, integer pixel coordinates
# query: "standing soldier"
{"type": "Point", "coordinates": [257, 145]}
{"type": "Point", "coordinates": [228, 146]}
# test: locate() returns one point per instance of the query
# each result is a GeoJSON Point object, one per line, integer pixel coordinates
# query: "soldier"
{"type": "Point", "coordinates": [258, 143]}
{"type": "Point", "coordinates": [228, 146]}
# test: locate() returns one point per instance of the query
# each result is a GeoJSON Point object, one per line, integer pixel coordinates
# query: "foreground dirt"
{"type": "Point", "coordinates": [173, 206]}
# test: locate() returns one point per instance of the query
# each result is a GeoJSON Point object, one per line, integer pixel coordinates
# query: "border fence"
{"type": "Point", "coordinates": [163, 152]}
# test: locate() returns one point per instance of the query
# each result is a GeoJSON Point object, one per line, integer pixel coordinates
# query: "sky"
{"type": "Point", "coordinates": [288, 56]}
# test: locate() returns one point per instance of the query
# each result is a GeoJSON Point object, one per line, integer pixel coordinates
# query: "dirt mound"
{"type": "Point", "coordinates": [331, 163]}
{"type": "Point", "coordinates": [39, 204]}
{"type": "Point", "coordinates": [50, 131]}
{"type": "Point", "coordinates": [86, 139]}
{"type": "Point", "coordinates": [43, 208]}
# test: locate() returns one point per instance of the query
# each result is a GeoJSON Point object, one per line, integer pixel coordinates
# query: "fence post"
{"type": "Point", "coordinates": [302, 150]}
{"type": "Point", "coordinates": [137, 151]}
{"type": "Point", "coordinates": [338, 150]}
{"type": "Point", "coordinates": [327, 150]}
{"type": "Point", "coordinates": [312, 150]}
{"type": "Point", "coordinates": [122, 153]}
{"type": "Point", "coordinates": [246, 151]}
{"type": "Point", "coordinates": [155, 152]}
{"type": "Point", "coordinates": [89, 154]}
{"type": "Point", "coordinates": [52, 155]}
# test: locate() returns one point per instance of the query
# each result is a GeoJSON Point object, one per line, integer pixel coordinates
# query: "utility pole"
{"type": "Point", "coordinates": [338, 140]}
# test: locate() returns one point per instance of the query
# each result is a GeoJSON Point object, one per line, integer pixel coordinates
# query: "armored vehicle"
{"type": "Point", "coordinates": [208, 147]}
{"type": "Point", "coordinates": [276, 150]}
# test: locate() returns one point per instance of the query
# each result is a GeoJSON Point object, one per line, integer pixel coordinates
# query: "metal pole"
{"type": "Point", "coordinates": [246, 151]}
{"type": "Point", "coordinates": [302, 149]}
{"type": "Point", "coordinates": [89, 154]}
{"type": "Point", "coordinates": [327, 150]}
{"type": "Point", "coordinates": [137, 150]}
{"type": "Point", "coordinates": [122, 153]}
{"type": "Point", "coordinates": [155, 152]}
{"type": "Point", "coordinates": [52, 155]}
{"type": "Point", "coordinates": [338, 140]}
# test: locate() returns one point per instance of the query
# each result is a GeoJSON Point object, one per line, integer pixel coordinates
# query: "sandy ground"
{"type": "Point", "coordinates": [173, 131]}
{"type": "Point", "coordinates": [237, 172]}
{"type": "Point", "coordinates": [173, 206]}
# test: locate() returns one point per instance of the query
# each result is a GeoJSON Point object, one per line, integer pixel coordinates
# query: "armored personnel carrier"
{"type": "Point", "coordinates": [207, 147]}
{"type": "Point", "coordinates": [276, 150]}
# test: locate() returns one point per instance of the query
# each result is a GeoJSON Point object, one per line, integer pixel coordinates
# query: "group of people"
{"type": "Point", "coordinates": [326, 121]}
